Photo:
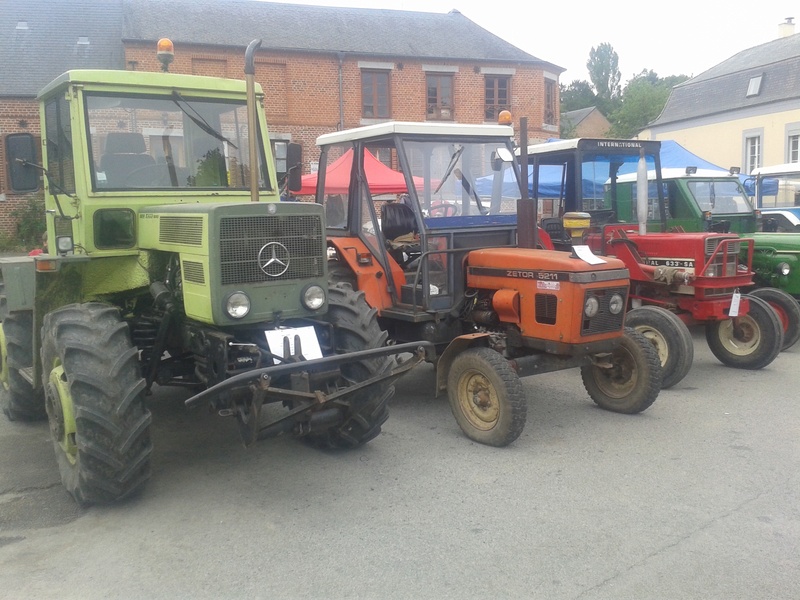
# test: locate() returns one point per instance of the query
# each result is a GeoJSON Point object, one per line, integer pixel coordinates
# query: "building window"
{"type": "Point", "coordinates": [498, 96]}
{"type": "Point", "coordinates": [754, 87]}
{"type": "Point", "coordinates": [752, 148]}
{"type": "Point", "coordinates": [375, 94]}
{"type": "Point", "coordinates": [794, 148]}
{"type": "Point", "coordinates": [440, 97]}
{"type": "Point", "coordinates": [550, 102]}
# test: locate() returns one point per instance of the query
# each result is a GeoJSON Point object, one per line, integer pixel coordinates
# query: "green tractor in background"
{"type": "Point", "coordinates": [162, 269]}
{"type": "Point", "coordinates": [713, 200]}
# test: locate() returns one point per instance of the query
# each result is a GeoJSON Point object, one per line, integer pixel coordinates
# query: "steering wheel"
{"type": "Point", "coordinates": [441, 208]}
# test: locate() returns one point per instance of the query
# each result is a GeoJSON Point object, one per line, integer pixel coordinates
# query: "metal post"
{"type": "Point", "coordinates": [252, 116]}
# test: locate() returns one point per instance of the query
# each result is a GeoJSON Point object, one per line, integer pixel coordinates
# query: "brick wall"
{"type": "Point", "coordinates": [301, 90]}
{"type": "Point", "coordinates": [302, 99]}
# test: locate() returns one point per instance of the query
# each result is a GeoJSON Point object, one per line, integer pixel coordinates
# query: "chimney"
{"type": "Point", "coordinates": [786, 28]}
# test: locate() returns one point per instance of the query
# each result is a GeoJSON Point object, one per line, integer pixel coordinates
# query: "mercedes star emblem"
{"type": "Point", "coordinates": [273, 258]}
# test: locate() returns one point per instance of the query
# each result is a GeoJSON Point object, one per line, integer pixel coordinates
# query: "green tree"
{"type": "Point", "coordinates": [578, 94]}
{"type": "Point", "coordinates": [642, 101]}
{"type": "Point", "coordinates": [603, 66]}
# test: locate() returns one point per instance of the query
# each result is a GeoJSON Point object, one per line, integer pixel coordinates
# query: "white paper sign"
{"type": "Point", "coordinates": [309, 343]}
{"type": "Point", "coordinates": [735, 300]}
{"type": "Point", "coordinates": [585, 254]}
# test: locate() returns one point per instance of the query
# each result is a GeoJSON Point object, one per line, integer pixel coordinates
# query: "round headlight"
{"type": "Point", "coordinates": [783, 269]}
{"type": "Point", "coordinates": [237, 305]}
{"type": "Point", "coordinates": [313, 297]}
{"type": "Point", "coordinates": [615, 304]}
{"type": "Point", "coordinates": [591, 306]}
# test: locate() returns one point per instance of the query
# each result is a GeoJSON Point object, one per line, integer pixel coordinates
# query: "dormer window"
{"type": "Point", "coordinates": [754, 88]}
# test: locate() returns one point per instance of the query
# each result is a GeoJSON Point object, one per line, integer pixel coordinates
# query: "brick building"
{"type": "Point", "coordinates": [321, 68]}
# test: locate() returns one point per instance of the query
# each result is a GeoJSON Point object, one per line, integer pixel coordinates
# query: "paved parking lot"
{"type": "Point", "coordinates": [698, 497]}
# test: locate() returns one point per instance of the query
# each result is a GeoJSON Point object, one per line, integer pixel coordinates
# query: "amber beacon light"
{"type": "Point", "coordinates": [165, 52]}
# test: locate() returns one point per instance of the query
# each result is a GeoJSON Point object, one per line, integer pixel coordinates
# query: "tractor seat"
{"type": "Point", "coordinates": [400, 230]}
{"type": "Point", "coordinates": [124, 153]}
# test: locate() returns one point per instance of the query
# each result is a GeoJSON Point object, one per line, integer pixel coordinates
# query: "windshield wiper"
{"type": "Point", "coordinates": [450, 167]}
{"type": "Point", "coordinates": [199, 120]}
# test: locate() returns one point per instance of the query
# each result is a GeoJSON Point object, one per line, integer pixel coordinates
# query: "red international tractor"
{"type": "Point", "coordinates": [678, 279]}
{"type": "Point", "coordinates": [422, 218]}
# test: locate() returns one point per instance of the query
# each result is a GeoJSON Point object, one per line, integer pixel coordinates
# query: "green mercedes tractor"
{"type": "Point", "coordinates": [171, 261]}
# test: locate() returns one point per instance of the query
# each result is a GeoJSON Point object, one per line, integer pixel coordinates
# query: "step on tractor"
{"type": "Point", "coordinates": [718, 201]}
{"type": "Point", "coordinates": [171, 262]}
{"type": "Point", "coordinates": [678, 279]}
{"type": "Point", "coordinates": [420, 221]}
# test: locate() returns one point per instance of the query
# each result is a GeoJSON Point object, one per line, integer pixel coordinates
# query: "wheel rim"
{"type": "Point", "coordinates": [741, 339]}
{"type": "Point", "coordinates": [61, 415]}
{"type": "Point", "coordinates": [619, 380]}
{"type": "Point", "coordinates": [783, 316]}
{"type": "Point", "coordinates": [478, 400]}
{"type": "Point", "coordinates": [657, 339]}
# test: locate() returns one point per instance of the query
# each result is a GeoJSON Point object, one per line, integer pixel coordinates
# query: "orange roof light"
{"type": "Point", "coordinates": [504, 118]}
{"type": "Point", "coordinates": [165, 52]}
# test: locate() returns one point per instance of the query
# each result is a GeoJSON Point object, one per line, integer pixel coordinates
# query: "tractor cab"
{"type": "Point", "coordinates": [411, 200]}
{"type": "Point", "coordinates": [696, 200]}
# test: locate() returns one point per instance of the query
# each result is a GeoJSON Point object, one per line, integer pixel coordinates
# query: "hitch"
{"type": "Point", "coordinates": [317, 407]}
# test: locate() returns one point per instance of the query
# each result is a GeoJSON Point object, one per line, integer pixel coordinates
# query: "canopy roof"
{"type": "Point", "coordinates": [381, 179]}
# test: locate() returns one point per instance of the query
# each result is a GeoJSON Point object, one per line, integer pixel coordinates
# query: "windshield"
{"type": "Point", "coordinates": [152, 142]}
{"type": "Point", "coordinates": [720, 197]}
{"type": "Point", "coordinates": [781, 189]}
{"type": "Point", "coordinates": [454, 179]}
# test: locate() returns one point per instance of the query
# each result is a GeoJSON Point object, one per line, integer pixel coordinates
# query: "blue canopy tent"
{"type": "Point", "coordinates": [673, 155]}
{"type": "Point", "coordinates": [549, 183]}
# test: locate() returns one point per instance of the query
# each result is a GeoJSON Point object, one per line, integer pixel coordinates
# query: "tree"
{"type": "Point", "coordinates": [578, 94]}
{"type": "Point", "coordinates": [603, 66]}
{"type": "Point", "coordinates": [642, 101]}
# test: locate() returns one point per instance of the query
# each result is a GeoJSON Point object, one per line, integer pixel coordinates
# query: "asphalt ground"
{"type": "Point", "coordinates": [697, 497]}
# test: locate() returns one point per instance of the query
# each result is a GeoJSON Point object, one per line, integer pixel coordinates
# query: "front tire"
{"type": "Point", "coordinates": [788, 311]}
{"type": "Point", "coordinates": [486, 397]}
{"type": "Point", "coordinates": [670, 337]}
{"type": "Point", "coordinates": [632, 380]}
{"type": "Point", "coordinates": [750, 341]}
{"type": "Point", "coordinates": [20, 401]}
{"type": "Point", "coordinates": [356, 328]}
{"type": "Point", "coordinates": [94, 397]}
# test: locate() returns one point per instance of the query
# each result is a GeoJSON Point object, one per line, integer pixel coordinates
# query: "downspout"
{"type": "Point", "coordinates": [340, 56]}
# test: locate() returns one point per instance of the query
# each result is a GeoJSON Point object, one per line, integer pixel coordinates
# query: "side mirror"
{"type": "Point", "coordinates": [294, 162]}
{"type": "Point", "coordinates": [20, 151]}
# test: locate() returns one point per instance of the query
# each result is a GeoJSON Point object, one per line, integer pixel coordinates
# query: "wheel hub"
{"type": "Point", "coordinates": [479, 400]}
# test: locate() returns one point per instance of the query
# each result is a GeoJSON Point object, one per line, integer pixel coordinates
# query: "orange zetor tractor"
{"type": "Point", "coordinates": [677, 278]}
{"type": "Point", "coordinates": [438, 257]}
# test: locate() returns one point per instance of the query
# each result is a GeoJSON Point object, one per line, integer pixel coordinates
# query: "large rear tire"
{"type": "Point", "coordinates": [486, 397]}
{"type": "Point", "coordinates": [670, 337]}
{"type": "Point", "coordinates": [750, 341]}
{"type": "Point", "coordinates": [94, 396]}
{"type": "Point", "coordinates": [632, 380]}
{"type": "Point", "coordinates": [20, 401]}
{"type": "Point", "coordinates": [788, 311]}
{"type": "Point", "coordinates": [356, 328]}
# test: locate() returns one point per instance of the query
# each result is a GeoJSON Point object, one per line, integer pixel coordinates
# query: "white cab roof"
{"type": "Point", "coordinates": [777, 169]}
{"type": "Point", "coordinates": [409, 128]}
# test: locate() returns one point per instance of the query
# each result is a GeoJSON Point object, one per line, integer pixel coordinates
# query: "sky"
{"type": "Point", "coordinates": [685, 38]}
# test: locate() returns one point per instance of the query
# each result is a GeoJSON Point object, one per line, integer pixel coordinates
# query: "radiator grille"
{"type": "Point", "coordinates": [181, 230]}
{"type": "Point", "coordinates": [546, 308]}
{"type": "Point", "coordinates": [604, 320]}
{"type": "Point", "coordinates": [242, 238]}
{"type": "Point", "coordinates": [193, 272]}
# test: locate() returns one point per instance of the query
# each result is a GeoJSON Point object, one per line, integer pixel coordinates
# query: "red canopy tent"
{"type": "Point", "coordinates": [381, 179]}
